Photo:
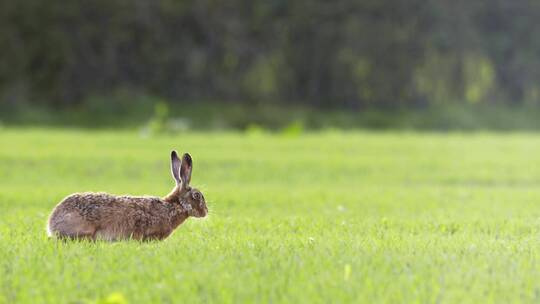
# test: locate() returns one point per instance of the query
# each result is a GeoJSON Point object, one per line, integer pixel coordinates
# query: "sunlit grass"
{"type": "Point", "coordinates": [324, 217]}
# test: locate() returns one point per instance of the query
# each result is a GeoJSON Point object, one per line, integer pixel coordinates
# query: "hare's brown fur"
{"type": "Point", "coordinates": [108, 217]}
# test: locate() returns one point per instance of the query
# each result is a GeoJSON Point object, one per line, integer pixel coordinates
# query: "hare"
{"type": "Point", "coordinates": [101, 216]}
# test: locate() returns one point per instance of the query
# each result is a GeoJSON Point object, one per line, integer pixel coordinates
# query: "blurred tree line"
{"type": "Point", "coordinates": [343, 53]}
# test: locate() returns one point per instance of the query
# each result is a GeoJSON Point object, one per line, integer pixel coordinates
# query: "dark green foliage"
{"type": "Point", "coordinates": [344, 53]}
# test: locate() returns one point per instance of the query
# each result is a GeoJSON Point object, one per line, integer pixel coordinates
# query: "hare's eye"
{"type": "Point", "coordinates": [196, 195]}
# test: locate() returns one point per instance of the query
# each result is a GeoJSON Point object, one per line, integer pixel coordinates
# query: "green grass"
{"type": "Point", "coordinates": [319, 218]}
{"type": "Point", "coordinates": [133, 111]}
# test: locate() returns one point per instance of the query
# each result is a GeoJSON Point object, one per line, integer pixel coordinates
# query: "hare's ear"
{"type": "Point", "coordinates": [185, 170]}
{"type": "Point", "coordinates": [175, 167]}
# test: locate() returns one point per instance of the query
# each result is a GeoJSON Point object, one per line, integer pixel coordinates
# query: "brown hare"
{"type": "Point", "coordinates": [101, 216]}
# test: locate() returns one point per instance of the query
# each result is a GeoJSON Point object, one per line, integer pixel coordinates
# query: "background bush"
{"type": "Point", "coordinates": [342, 54]}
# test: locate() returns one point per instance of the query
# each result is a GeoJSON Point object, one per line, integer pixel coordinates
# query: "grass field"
{"type": "Point", "coordinates": [319, 218]}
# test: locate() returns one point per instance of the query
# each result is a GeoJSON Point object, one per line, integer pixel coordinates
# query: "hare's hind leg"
{"type": "Point", "coordinates": [71, 226]}
{"type": "Point", "coordinates": [79, 235]}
